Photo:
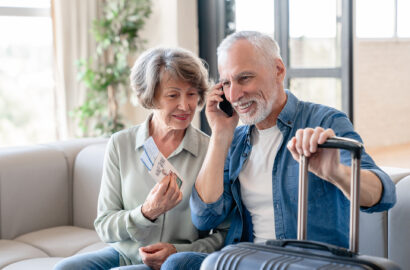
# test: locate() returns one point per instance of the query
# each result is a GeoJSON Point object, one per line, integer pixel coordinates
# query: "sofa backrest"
{"type": "Point", "coordinates": [33, 190]}
{"type": "Point", "coordinates": [36, 186]}
{"type": "Point", "coordinates": [86, 184]}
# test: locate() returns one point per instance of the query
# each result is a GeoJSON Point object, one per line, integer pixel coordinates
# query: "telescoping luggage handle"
{"type": "Point", "coordinates": [355, 149]}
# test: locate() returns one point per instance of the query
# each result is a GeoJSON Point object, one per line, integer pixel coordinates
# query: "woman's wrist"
{"type": "Point", "coordinates": [146, 213]}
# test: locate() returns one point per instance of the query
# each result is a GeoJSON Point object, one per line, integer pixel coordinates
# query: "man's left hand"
{"type": "Point", "coordinates": [323, 162]}
{"type": "Point", "coordinates": [155, 255]}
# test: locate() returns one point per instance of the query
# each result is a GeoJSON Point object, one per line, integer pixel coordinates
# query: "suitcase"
{"type": "Point", "coordinates": [300, 253]}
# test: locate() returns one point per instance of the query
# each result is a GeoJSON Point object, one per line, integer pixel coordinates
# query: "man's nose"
{"type": "Point", "coordinates": [234, 92]}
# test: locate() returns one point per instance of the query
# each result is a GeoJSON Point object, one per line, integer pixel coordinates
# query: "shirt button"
{"type": "Point", "coordinates": [236, 240]}
{"type": "Point", "coordinates": [244, 154]}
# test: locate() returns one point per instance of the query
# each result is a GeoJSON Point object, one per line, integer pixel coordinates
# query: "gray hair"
{"type": "Point", "coordinates": [150, 67]}
{"type": "Point", "coordinates": [262, 42]}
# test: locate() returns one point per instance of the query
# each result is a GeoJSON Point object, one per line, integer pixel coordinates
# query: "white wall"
{"type": "Point", "coordinates": [382, 92]}
{"type": "Point", "coordinates": [173, 23]}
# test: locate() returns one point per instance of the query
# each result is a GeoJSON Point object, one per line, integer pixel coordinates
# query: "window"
{"type": "Point", "coordinates": [311, 35]}
{"type": "Point", "coordinates": [382, 18]}
{"type": "Point", "coordinates": [26, 76]}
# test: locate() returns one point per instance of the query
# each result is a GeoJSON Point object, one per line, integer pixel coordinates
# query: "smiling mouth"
{"type": "Point", "coordinates": [243, 106]}
{"type": "Point", "coordinates": [182, 116]}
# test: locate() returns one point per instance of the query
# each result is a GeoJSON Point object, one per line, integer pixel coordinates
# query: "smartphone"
{"type": "Point", "coordinates": [225, 106]}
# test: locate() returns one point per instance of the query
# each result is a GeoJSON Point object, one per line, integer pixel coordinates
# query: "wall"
{"type": "Point", "coordinates": [382, 92]}
{"type": "Point", "coordinates": [173, 23]}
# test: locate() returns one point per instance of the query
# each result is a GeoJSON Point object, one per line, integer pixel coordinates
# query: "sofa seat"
{"type": "Point", "coordinates": [42, 249]}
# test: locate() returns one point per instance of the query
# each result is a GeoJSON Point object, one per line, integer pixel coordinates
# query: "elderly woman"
{"type": "Point", "coordinates": [145, 221]}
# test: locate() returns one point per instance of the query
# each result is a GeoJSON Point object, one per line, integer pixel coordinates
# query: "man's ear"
{"type": "Point", "coordinates": [280, 70]}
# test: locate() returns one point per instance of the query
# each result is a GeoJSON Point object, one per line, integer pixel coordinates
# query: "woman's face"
{"type": "Point", "coordinates": [175, 102]}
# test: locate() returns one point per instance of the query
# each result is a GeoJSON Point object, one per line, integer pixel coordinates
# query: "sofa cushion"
{"type": "Point", "coordinates": [13, 251]}
{"type": "Point", "coordinates": [34, 191]}
{"type": "Point", "coordinates": [86, 184]}
{"type": "Point", "coordinates": [61, 241]}
{"type": "Point", "coordinates": [93, 247]}
{"type": "Point", "coordinates": [34, 264]}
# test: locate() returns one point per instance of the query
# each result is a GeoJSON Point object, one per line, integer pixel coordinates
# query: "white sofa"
{"type": "Point", "coordinates": [48, 200]}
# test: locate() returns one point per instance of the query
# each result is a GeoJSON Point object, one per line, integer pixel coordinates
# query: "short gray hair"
{"type": "Point", "coordinates": [150, 67]}
{"type": "Point", "coordinates": [262, 42]}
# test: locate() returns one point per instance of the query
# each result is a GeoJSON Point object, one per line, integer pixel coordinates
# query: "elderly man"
{"type": "Point", "coordinates": [250, 173]}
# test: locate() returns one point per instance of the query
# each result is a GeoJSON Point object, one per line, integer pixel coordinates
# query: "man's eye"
{"type": "Point", "coordinates": [245, 78]}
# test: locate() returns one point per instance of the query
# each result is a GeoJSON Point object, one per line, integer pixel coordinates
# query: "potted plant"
{"type": "Point", "coordinates": [106, 74]}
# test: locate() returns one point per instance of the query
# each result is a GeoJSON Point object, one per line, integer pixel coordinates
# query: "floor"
{"type": "Point", "coordinates": [392, 156]}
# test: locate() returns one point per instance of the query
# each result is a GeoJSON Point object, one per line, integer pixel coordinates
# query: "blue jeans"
{"type": "Point", "coordinates": [102, 259]}
{"type": "Point", "coordinates": [184, 261]}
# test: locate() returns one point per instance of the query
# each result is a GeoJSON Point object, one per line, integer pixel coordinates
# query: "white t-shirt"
{"type": "Point", "coordinates": [256, 181]}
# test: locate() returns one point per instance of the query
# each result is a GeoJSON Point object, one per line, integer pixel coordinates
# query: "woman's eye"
{"type": "Point", "coordinates": [172, 96]}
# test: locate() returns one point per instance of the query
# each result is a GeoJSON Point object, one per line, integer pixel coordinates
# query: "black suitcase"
{"type": "Point", "coordinates": [302, 254]}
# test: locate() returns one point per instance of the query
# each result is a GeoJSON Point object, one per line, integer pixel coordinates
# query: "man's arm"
{"type": "Point", "coordinates": [209, 183]}
{"type": "Point", "coordinates": [325, 163]}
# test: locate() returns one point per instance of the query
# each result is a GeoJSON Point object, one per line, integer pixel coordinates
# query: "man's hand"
{"type": "Point", "coordinates": [218, 121]}
{"type": "Point", "coordinates": [325, 163]}
{"type": "Point", "coordinates": [155, 255]}
{"type": "Point", "coordinates": [164, 196]}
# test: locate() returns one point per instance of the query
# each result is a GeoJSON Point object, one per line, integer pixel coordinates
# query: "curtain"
{"type": "Point", "coordinates": [73, 40]}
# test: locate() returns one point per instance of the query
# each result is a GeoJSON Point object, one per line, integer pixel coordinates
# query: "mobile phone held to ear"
{"type": "Point", "coordinates": [225, 106]}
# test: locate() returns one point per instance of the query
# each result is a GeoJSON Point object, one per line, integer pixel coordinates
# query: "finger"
{"type": "Point", "coordinates": [292, 148]}
{"type": "Point", "coordinates": [328, 133]}
{"type": "Point", "coordinates": [298, 141]}
{"type": "Point", "coordinates": [151, 248]}
{"type": "Point", "coordinates": [307, 134]}
{"type": "Point", "coordinates": [164, 184]}
{"type": "Point", "coordinates": [315, 138]}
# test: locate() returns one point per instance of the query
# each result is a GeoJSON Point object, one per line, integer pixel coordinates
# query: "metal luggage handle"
{"type": "Point", "coordinates": [335, 250]}
{"type": "Point", "coordinates": [355, 149]}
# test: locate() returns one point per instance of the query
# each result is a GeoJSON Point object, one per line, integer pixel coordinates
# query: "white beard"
{"type": "Point", "coordinates": [263, 109]}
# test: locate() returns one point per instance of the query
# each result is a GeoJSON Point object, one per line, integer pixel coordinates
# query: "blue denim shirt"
{"type": "Point", "coordinates": [328, 209]}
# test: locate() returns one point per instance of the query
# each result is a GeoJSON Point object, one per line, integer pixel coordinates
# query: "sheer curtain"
{"type": "Point", "coordinates": [73, 40]}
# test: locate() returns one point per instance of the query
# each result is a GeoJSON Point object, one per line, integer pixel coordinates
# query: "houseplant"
{"type": "Point", "coordinates": [105, 75]}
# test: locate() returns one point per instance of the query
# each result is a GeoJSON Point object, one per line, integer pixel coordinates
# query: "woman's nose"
{"type": "Point", "coordinates": [183, 104]}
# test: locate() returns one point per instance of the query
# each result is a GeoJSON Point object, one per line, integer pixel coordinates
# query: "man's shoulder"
{"type": "Point", "coordinates": [318, 113]}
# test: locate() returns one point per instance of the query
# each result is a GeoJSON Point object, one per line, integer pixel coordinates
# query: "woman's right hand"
{"type": "Point", "coordinates": [164, 196]}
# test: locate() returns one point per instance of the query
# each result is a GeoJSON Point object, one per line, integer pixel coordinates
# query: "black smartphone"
{"type": "Point", "coordinates": [225, 106]}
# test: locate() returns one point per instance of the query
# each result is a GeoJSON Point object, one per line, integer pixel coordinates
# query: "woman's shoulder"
{"type": "Point", "coordinates": [127, 136]}
{"type": "Point", "coordinates": [200, 135]}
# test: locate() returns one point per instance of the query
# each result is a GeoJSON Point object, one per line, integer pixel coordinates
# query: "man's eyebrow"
{"type": "Point", "coordinates": [243, 73]}
{"type": "Point", "coordinates": [238, 76]}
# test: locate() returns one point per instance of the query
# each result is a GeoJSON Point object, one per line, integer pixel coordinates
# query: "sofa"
{"type": "Point", "coordinates": [48, 201]}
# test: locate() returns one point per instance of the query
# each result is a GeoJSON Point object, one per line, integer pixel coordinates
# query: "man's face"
{"type": "Point", "coordinates": [249, 82]}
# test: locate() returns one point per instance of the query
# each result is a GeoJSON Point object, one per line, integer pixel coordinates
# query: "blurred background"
{"type": "Point", "coordinates": [61, 61]}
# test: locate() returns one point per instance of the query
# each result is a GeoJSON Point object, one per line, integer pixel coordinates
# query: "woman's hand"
{"type": "Point", "coordinates": [164, 196]}
{"type": "Point", "coordinates": [155, 255]}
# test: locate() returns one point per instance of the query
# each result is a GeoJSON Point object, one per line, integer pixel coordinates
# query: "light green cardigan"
{"type": "Point", "coordinates": [125, 186]}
